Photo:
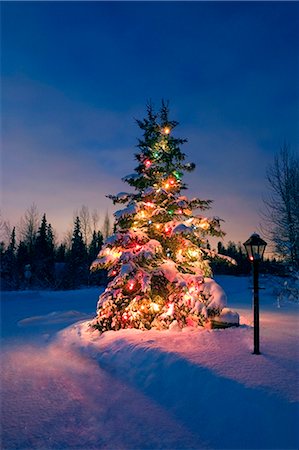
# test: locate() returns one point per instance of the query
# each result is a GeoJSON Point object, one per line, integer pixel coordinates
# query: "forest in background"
{"type": "Point", "coordinates": [33, 258]}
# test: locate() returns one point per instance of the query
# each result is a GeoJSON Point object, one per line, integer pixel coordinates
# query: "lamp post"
{"type": "Point", "coordinates": [255, 247]}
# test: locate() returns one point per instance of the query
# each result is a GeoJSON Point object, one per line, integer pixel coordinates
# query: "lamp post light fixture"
{"type": "Point", "coordinates": [255, 247]}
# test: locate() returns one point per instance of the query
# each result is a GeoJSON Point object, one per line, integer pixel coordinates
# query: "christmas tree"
{"type": "Point", "coordinates": [158, 257]}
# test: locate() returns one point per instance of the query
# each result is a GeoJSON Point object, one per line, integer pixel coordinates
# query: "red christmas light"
{"type": "Point", "coordinates": [147, 163]}
{"type": "Point", "coordinates": [131, 285]}
{"type": "Point", "coordinates": [149, 204]}
{"type": "Point", "coordinates": [167, 229]}
{"type": "Point", "coordinates": [169, 183]}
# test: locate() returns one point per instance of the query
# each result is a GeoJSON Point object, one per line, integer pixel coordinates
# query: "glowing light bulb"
{"type": "Point", "coordinates": [169, 183]}
{"type": "Point", "coordinates": [113, 272]}
{"type": "Point", "coordinates": [150, 204]}
{"type": "Point", "coordinates": [147, 163]}
{"type": "Point", "coordinates": [131, 285]}
{"type": "Point", "coordinates": [180, 211]}
{"type": "Point", "coordinates": [193, 253]}
{"type": "Point", "coordinates": [166, 130]}
{"type": "Point", "coordinates": [204, 225]}
{"type": "Point", "coordinates": [155, 307]}
{"type": "Point", "coordinates": [158, 226]}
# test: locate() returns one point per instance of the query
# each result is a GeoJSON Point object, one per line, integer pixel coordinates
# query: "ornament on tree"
{"type": "Point", "coordinates": [158, 259]}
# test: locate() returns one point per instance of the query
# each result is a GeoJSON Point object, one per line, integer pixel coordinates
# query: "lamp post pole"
{"type": "Point", "coordinates": [255, 247]}
{"type": "Point", "coordinates": [256, 309]}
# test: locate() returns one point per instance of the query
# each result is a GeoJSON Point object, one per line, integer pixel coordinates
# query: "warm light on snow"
{"type": "Point", "coordinates": [77, 389]}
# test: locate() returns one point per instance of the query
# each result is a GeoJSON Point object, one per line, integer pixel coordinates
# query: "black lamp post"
{"type": "Point", "coordinates": [255, 247]}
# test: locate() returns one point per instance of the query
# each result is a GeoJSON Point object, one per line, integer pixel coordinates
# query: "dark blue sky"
{"type": "Point", "coordinates": [75, 75]}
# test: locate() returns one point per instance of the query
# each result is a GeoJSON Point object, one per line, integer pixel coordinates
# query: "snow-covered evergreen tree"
{"type": "Point", "coordinates": [158, 257]}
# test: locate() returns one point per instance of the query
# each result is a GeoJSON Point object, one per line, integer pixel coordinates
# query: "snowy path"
{"type": "Point", "coordinates": [136, 390]}
{"type": "Point", "coordinates": [56, 399]}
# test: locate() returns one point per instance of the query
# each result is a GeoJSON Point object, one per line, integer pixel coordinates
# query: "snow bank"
{"type": "Point", "coordinates": [209, 380]}
{"type": "Point", "coordinates": [195, 389]}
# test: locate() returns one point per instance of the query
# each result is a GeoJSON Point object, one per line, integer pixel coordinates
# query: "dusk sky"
{"type": "Point", "coordinates": [76, 75]}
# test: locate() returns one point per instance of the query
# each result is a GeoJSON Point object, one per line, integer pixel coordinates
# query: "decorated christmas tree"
{"type": "Point", "coordinates": [158, 257]}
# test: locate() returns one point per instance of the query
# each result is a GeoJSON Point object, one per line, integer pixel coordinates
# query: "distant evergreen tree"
{"type": "Point", "coordinates": [2, 249]}
{"type": "Point", "coordinates": [22, 260]}
{"type": "Point", "coordinates": [95, 245]}
{"type": "Point", "coordinates": [43, 264]}
{"type": "Point", "coordinates": [236, 252]}
{"type": "Point", "coordinates": [100, 277]}
{"type": "Point", "coordinates": [50, 238]}
{"type": "Point", "coordinates": [9, 273]}
{"type": "Point", "coordinates": [77, 261]}
{"type": "Point", "coordinates": [60, 254]}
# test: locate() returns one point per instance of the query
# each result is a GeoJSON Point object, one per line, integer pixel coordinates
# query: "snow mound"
{"type": "Point", "coordinates": [218, 298]}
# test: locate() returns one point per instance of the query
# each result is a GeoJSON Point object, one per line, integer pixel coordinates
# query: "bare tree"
{"type": "Point", "coordinates": [67, 239]}
{"type": "Point", "coordinates": [95, 220]}
{"type": "Point", "coordinates": [85, 220]}
{"type": "Point", "coordinates": [281, 215]}
{"type": "Point", "coordinates": [5, 230]}
{"type": "Point", "coordinates": [107, 228]}
{"type": "Point", "coordinates": [28, 225]}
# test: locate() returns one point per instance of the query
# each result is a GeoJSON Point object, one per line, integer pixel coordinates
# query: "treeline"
{"type": "Point", "coordinates": [243, 267]}
{"type": "Point", "coordinates": [36, 261]}
{"type": "Point", "coordinates": [31, 257]}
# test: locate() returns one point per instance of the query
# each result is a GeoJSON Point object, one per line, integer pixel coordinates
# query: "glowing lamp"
{"type": "Point", "coordinates": [255, 247]}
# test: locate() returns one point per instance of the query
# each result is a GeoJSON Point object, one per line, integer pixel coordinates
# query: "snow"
{"type": "Point", "coordinates": [218, 298]}
{"type": "Point", "coordinates": [128, 211]}
{"type": "Point", "coordinates": [67, 388]}
{"type": "Point", "coordinates": [227, 316]}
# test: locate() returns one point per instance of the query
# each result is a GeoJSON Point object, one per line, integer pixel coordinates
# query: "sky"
{"type": "Point", "coordinates": [76, 75]}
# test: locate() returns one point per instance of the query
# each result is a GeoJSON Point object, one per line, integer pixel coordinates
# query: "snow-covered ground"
{"type": "Point", "coordinates": [65, 387]}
